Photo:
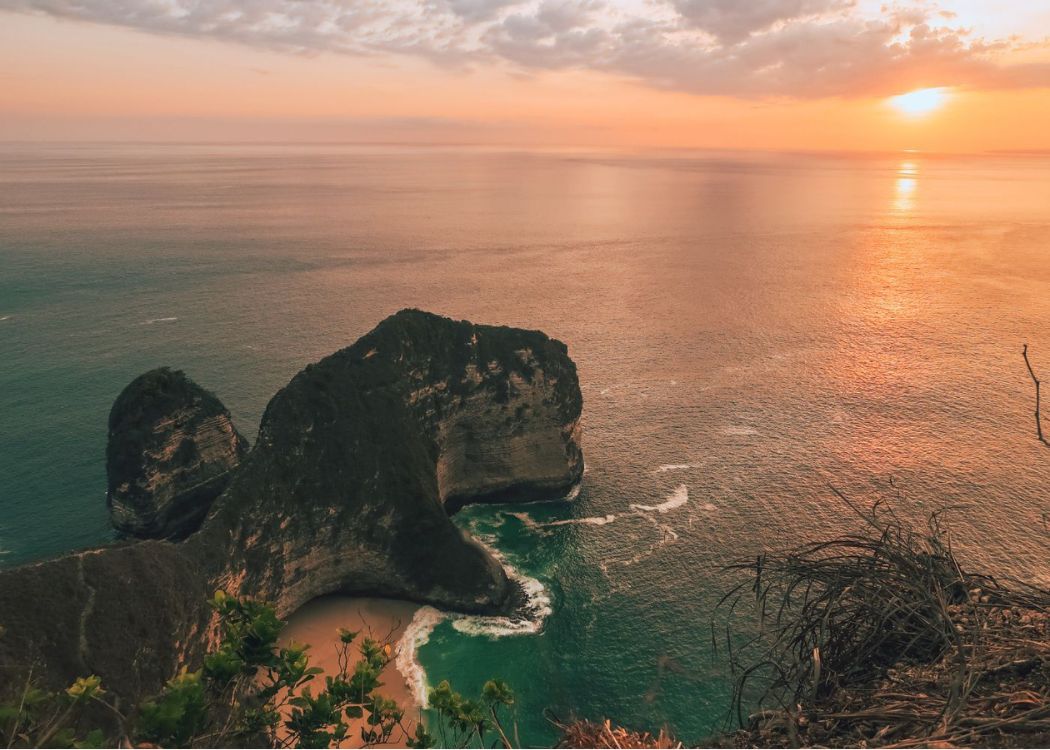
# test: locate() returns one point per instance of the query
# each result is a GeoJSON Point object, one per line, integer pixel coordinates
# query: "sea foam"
{"type": "Point", "coordinates": [416, 634]}
{"type": "Point", "coordinates": [663, 468]}
{"type": "Point", "coordinates": [529, 619]}
{"type": "Point", "coordinates": [676, 499]}
{"type": "Point", "coordinates": [531, 523]}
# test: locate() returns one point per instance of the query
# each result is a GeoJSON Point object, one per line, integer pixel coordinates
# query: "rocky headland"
{"type": "Point", "coordinates": [359, 462]}
{"type": "Point", "coordinates": [171, 451]}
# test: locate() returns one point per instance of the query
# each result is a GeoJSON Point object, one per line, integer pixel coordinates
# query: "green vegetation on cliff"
{"type": "Point", "coordinates": [253, 692]}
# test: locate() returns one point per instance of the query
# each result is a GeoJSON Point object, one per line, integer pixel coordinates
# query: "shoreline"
{"type": "Point", "coordinates": [316, 624]}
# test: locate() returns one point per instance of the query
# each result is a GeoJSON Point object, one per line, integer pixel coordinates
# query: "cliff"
{"type": "Point", "coordinates": [359, 461]}
{"type": "Point", "coordinates": [362, 456]}
{"type": "Point", "coordinates": [171, 451]}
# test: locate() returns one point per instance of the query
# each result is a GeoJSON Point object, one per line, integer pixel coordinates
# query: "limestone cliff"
{"type": "Point", "coordinates": [360, 460]}
{"type": "Point", "coordinates": [172, 447]}
{"type": "Point", "coordinates": [355, 457]}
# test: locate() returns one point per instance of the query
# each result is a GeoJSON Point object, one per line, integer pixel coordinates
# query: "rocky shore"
{"type": "Point", "coordinates": [348, 489]}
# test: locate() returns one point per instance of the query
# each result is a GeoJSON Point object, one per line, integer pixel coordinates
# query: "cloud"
{"type": "Point", "coordinates": [359, 27]}
{"type": "Point", "coordinates": [733, 20]}
{"type": "Point", "coordinates": [748, 48]}
{"type": "Point", "coordinates": [474, 10]}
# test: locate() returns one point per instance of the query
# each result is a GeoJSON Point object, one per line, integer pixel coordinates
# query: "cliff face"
{"type": "Point", "coordinates": [131, 613]}
{"type": "Point", "coordinates": [358, 456]}
{"type": "Point", "coordinates": [172, 447]}
{"type": "Point", "coordinates": [359, 462]}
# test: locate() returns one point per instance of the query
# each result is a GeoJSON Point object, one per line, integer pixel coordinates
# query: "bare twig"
{"type": "Point", "coordinates": [1038, 418]}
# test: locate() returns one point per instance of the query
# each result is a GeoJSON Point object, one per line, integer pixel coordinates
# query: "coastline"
{"type": "Point", "coordinates": [385, 620]}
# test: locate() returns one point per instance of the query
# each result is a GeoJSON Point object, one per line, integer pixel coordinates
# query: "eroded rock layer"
{"type": "Point", "coordinates": [171, 451]}
{"type": "Point", "coordinates": [360, 460]}
{"type": "Point", "coordinates": [344, 490]}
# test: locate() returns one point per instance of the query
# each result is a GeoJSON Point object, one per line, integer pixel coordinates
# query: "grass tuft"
{"type": "Point", "coordinates": [882, 638]}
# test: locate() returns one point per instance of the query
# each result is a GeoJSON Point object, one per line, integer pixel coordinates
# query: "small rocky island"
{"type": "Point", "coordinates": [359, 462]}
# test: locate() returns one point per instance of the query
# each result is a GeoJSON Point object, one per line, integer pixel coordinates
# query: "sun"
{"type": "Point", "coordinates": [921, 102]}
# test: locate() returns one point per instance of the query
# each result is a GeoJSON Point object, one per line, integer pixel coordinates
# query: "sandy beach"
{"type": "Point", "coordinates": [385, 620]}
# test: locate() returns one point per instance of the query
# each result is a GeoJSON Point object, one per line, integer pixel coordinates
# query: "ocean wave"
{"type": "Point", "coordinates": [416, 635]}
{"type": "Point", "coordinates": [676, 499]}
{"type": "Point", "coordinates": [593, 521]}
{"type": "Point", "coordinates": [531, 523]}
{"type": "Point", "coordinates": [151, 321]}
{"type": "Point", "coordinates": [738, 430]}
{"type": "Point", "coordinates": [5, 317]}
{"type": "Point", "coordinates": [529, 619]}
{"type": "Point", "coordinates": [663, 468]}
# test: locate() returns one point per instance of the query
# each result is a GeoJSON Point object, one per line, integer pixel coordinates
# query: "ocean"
{"type": "Point", "coordinates": [750, 329]}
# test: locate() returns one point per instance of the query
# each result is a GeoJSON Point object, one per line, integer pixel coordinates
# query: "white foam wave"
{"type": "Point", "coordinates": [593, 521]}
{"type": "Point", "coordinates": [575, 491]}
{"type": "Point", "coordinates": [6, 317]}
{"type": "Point", "coordinates": [530, 620]}
{"type": "Point", "coordinates": [531, 523]}
{"type": "Point", "coordinates": [537, 608]}
{"type": "Point", "coordinates": [664, 468]}
{"type": "Point", "coordinates": [416, 634]}
{"type": "Point", "coordinates": [676, 499]}
{"type": "Point", "coordinates": [151, 321]}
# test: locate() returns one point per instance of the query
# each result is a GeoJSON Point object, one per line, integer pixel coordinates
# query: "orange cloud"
{"type": "Point", "coordinates": [758, 48]}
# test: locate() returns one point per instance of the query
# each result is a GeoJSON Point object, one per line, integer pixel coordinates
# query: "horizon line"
{"type": "Point", "coordinates": [509, 146]}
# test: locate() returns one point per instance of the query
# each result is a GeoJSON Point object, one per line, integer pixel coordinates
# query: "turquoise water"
{"type": "Point", "coordinates": [748, 328]}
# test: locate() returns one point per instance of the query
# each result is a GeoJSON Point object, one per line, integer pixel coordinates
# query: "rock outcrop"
{"type": "Point", "coordinates": [359, 462]}
{"type": "Point", "coordinates": [171, 451]}
{"type": "Point", "coordinates": [356, 456]}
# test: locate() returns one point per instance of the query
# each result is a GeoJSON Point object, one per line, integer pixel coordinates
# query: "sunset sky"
{"type": "Point", "coordinates": [769, 74]}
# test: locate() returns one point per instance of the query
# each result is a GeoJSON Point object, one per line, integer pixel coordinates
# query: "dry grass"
{"type": "Point", "coordinates": [589, 734]}
{"type": "Point", "coordinates": [881, 638]}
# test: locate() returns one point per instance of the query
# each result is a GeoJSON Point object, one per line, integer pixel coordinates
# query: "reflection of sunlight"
{"type": "Point", "coordinates": [907, 182]}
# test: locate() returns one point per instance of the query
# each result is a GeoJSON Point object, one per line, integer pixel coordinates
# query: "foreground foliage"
{"type": "Point", "coordinates": [881, 638]}
{"type": "Point", "coordinates": [253, 692]}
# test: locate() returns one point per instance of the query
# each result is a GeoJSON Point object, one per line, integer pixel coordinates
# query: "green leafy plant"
{"type": "Point", "coordinates": [253, 692]}
{"type": "Point", "coordinates": [464, 722]}
{"type": "Point", "coordinates": [250, 691]}
{"type": "Point", "coordinates": [41, 718]}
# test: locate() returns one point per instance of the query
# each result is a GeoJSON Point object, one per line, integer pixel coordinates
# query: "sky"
{"type": "Point", "coordinates": [738, 74]}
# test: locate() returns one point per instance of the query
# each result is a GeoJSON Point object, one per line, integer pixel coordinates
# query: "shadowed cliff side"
{"type": "Point", "coordinates": [359, 460]}
{"type": "Point", "coordinates": [171, 452]}
{"type": "Point", "coordinates": [344, 490]}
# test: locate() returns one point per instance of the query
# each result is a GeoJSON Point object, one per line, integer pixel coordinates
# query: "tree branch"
{"type": "Point", "coordinates": [1038, 418]}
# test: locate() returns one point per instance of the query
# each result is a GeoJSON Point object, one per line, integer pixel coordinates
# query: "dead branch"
{"type": "Point", "coordinates": [1038, 418]}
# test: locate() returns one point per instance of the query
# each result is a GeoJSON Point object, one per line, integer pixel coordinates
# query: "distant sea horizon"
{"type": "Point", "coordinates": [749, 329]}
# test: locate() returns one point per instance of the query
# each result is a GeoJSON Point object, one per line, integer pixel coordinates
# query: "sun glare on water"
{"type": "Point", "coordinates": [921, 102]}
